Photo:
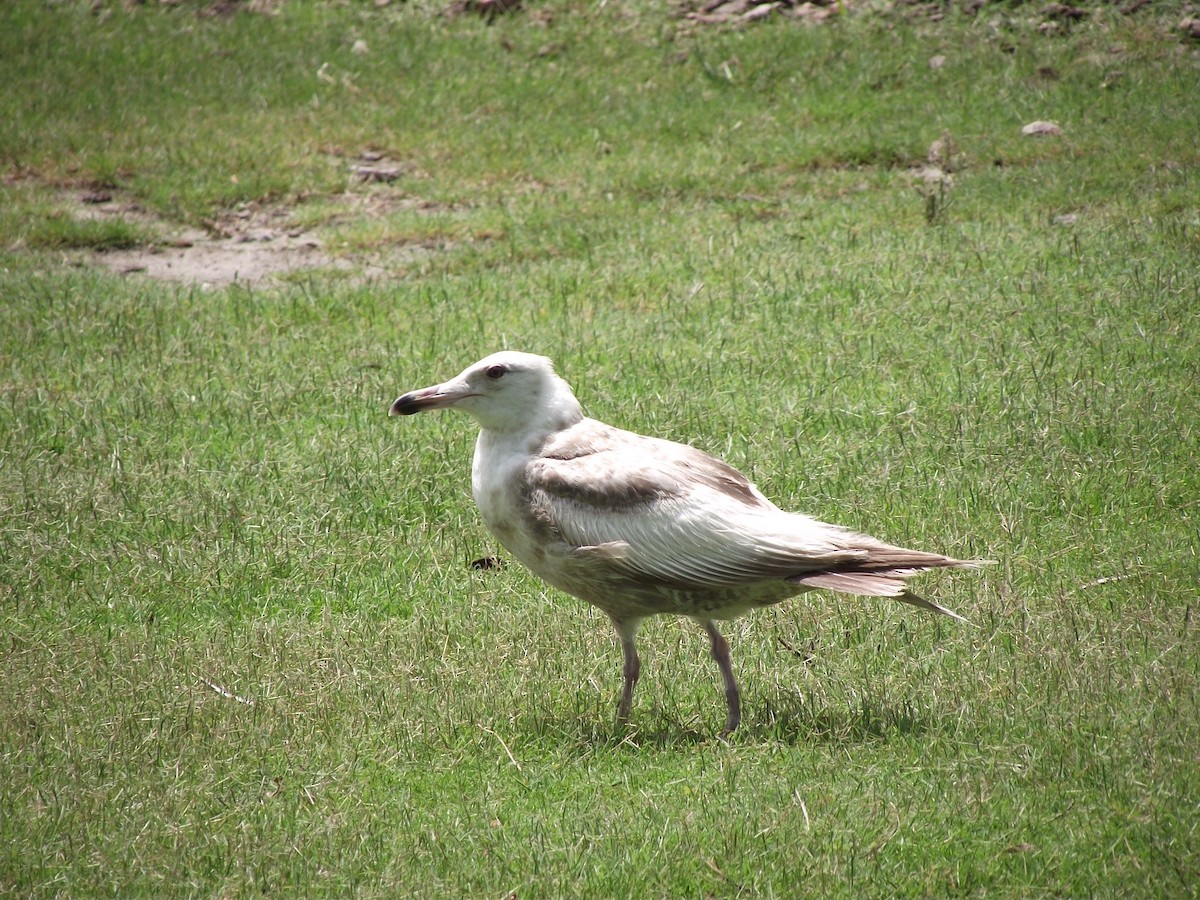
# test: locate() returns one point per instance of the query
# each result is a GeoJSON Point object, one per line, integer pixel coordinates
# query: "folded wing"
{"type": "Point", "coordinates": [669, 514]}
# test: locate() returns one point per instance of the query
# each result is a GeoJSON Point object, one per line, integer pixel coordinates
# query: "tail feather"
{"type": "Point", "coordinates": [864, 584]}
{"type": "Point", "coordinates": [882, 572]}
{"type": "Point", "coordinates": [919, 601]}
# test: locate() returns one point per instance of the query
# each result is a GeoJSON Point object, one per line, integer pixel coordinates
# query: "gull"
{"type": "Point", "coordinates": [639, 526]}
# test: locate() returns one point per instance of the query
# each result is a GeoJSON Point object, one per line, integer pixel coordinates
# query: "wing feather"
{"type": "Point", "coordinates": [670, 515]}
{"type": "Point", "coordinates": [686, 519]}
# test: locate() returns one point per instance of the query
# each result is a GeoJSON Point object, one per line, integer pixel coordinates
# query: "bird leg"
{"type": "Point", "coordinates": [626, 631]}
{"type": "Point", "coordinates": [733, 698]}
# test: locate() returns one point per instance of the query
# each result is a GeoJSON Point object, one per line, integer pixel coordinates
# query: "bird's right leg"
{"type": "Point", "coordinates": [733, 697]}
{"type": "Point", "coordinates": [627, 632]}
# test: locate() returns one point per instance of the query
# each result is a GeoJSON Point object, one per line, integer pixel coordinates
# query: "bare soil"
{"type": "Point", "coordinates": [251, 245]}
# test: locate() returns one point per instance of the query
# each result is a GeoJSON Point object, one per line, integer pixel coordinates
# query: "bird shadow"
{"type": "Point", "coordinates": [789, 719]}
{"type": "Point", "coordinates": [786, 719]}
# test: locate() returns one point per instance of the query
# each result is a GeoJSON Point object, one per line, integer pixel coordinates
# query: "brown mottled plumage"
{"type": "Point", "coordinates": [639, 526]}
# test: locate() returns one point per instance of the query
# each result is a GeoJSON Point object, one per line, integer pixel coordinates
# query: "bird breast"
{"type": "Point", "coordinates": [498, 485]}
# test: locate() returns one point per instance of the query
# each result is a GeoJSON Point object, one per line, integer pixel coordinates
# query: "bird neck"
{"type": "Point", "coordinates": [525, 437]}
{"type": "Point", "coordinates": [553, 412]}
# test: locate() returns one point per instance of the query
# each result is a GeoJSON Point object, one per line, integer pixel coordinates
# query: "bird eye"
{"type": "Point", "coordinates": [495, 372]}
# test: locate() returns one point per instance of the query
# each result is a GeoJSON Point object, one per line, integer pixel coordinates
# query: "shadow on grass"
{"type": "Point", "coordinates": [786, 720]}
{"type": "Point", "coordinates": [791, 720]}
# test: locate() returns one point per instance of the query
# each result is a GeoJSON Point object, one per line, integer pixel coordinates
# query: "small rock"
{"type": "Point", "coordinates": [936, 62]}
{"type": "Point", "coordinates": [1066, 219]}
{"type": "Point", "coordinates": [360, 48]}
{"type": "Point", "coordinates": [943, 153]}
{"type": "Point", "coordinates": [257, 236]}
{"type": "Point", "coordinates": [1041, 129]}
{"type": "Point", "coordinates": [382, 174]}
{"type": "Point", "coordinates": [815, 12]}
{"type": "Point", "coordinates": [933, 176]}
{"type": "Point", "coordinates": [1190, 28]}
{"type": "Point", "coordinates": [759, 11]}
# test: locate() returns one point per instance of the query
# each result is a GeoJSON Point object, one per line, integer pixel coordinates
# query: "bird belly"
{"type": "Point", "coordinates": [603, 583]}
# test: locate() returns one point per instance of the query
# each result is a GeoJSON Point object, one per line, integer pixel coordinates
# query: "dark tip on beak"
{"type": "Point", "coordinates": [406, 404]}
{"type": "Point", "coordinates": [439, 396]}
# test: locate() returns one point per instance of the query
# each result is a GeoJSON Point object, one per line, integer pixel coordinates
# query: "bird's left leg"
{"type": "Point", "coordinates": [627, 631]}
{"type": "Point", "coordinates": [733, 698]}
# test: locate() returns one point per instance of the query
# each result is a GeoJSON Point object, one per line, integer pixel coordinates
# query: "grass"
{"type": "Point", "coordinates": [244, 650]}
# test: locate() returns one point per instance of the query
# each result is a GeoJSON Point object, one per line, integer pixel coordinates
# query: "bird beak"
{"type": "Point", "coordinates": [440, 396]}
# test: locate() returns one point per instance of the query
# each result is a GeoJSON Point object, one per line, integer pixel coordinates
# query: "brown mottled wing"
{"type": "Point", "coordinates": [670, 514]}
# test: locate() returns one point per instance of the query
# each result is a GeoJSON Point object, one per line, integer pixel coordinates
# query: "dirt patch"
{"type": "Point", "coordinates": [251, 245]}
{"type": "Point", "coordinates": [216, 263]}
{"type": "Point", "coordinates": [256, 243]}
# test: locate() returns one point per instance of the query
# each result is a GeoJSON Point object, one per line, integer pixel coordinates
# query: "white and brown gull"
{"type": "Point", "coordinates": [639, 526]}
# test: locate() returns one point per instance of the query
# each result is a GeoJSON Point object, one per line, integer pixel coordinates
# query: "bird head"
{"type": "Point", "coordinates": [507, 391]}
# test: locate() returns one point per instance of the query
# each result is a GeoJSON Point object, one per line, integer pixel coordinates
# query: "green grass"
{"type": "Point", "coordinates": [63, 232]}
{"type": "Point", "coordinates": [716, 235]}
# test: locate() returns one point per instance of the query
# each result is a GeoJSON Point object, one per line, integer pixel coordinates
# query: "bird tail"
{"type": "Point", "coordinates": [874, 577]}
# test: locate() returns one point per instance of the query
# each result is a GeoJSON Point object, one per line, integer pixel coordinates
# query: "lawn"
{"type": "Point", "coordinates": [244, 647]}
